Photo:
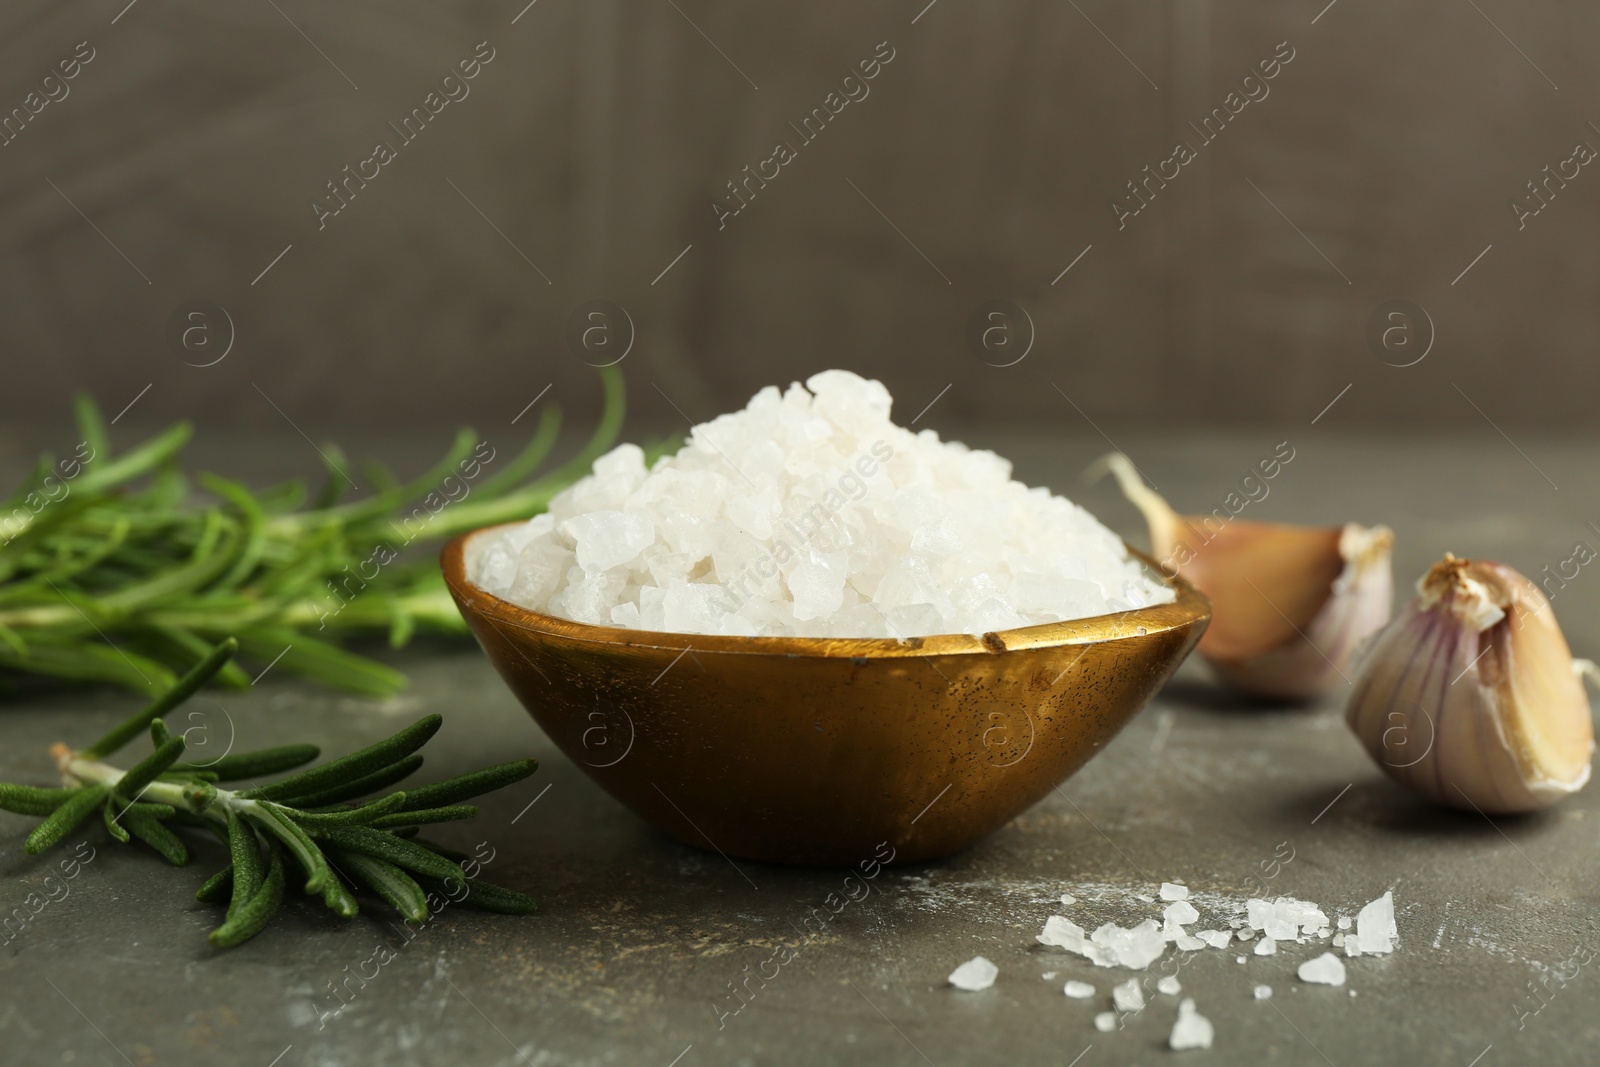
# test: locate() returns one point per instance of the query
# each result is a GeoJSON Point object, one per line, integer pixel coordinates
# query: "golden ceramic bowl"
{"type": "Point", "coordinates": [824, 750]}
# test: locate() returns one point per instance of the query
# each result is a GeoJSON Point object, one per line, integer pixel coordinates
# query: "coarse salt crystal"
{"type": "Point", "coordinates": [810, 513]}
{"type": "Point", "coordinates": [1263, 992]}
{"type": "Point", "coordinates": [1048, 975]}
{"type": "Point", "coordinates": [1078, 990]}
{"type": "Point", "coordinates": [1326, 969]}
{"type": "Point", "coordinates": [1375, 927]}
{"type": "Point", "coordinates": [974, 975]}
{"type": "Point", "coordinates": [1128, 997]}
{"type": "Point", "coordinates": [1344, 922]}
{"type": "Point", "coordinates": [1266, 947]}
{"type": "Point", "coordinates": [1169, 985]}
{"type": "Point", "coordinates": [1215, 938]}
{"type": "Point", "coordinates": [1068, 899]}
{"type": "Point", "coordinates": [1192, 1030]}
{"type": "Point", "coordinates": [1174, 891]}
{"type": "Point", "coordinates": [1180, 912]}
{"type": "Point", "coordinates": [1134, 949]}
{"type": "Point", "coordinates": [1105, 1022]}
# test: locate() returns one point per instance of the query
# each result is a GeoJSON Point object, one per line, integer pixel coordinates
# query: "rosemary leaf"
{"type": "Point", "coordinates": [32, 800]}
{"type": "Point", "coordinates": [217, 888]}
{"type": "Point", "coordinates": [387, 847]}
{"type": "Point", "coordinates": [474, 784]}
{"type": "Point", "coordinates": [304, 850]}
{"type": "Point", "coordinates": [247, 870]}
{"type": "Point", "coordinates": [486, 897]}
{"type": "Point", "coordinates": [426, 815]}
{"type": "Point", "coordinates": [252, 916]}
{"type": "Point", "coordinates": [112, 817]}
{"type": "Point", "coordinates": [149, 829]}
{"type": "Point", "coordinates": [65, 819]}
{"type": "Point", "coordinates": [379, 779]}
{"type": "Point", "coordinates": [256, 764]}
{"type": "Point", "coordinates": [338, 898]}
{"type": "Point", "coordinates": [388, 881]}
{"type": "Point", "coordinates": [365, 761]}
{"type": "Point", "coordinates": [180, 691]}
{"type": "Point", "coordinates": [349, 816]}
{"type": "Point", "coordinates": [145, 771]}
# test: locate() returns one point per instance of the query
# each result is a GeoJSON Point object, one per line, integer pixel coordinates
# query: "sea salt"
{"type": "Point", "coordinates": [810, 513]}
{"type": "Point", "coordinates": [1128, 997]}
{"type": "Point", "coordinates": [1169, 985]}
{"type": "Point", "coordinates": [1180, 912]}
{"type": "Point", "coordinates": [1192, 1030]}
{"type": "Point", "coordinates": [1375, 928]}
{"type": "Point", "coordinates": [1048, 975]}
{"type": "Point", "coordinates": [1266, 947]}
{"type": "Point", "coordinates": [1215, 938]}
{"type": "Point", "coordinates": [1326, 969]}
{"type": "Point", "coordinates": [1263, 992]}
{"type": "Point", "coordinates": [1173, 891]}
{"type": "Point", "coordinates": [974, 975]}
{"type": "Point", "coordinates": [1105, 1022]}
{"type": "Point", "coordinates": [1078, 990]}
{"type": "Point", "coordinates": [1134, 949]}
{"type": "Point", "coordinates": [1067, 900]}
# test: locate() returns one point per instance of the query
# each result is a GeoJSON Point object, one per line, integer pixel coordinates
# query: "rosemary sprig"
{"type": "Point", "coordinates": [114, 569]}
{"type": "Point", "coordinates": [309, 823]}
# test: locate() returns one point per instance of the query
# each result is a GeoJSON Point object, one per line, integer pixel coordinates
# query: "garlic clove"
{"type": "Point", "coordinates": [1321, 655]}
{"type": "Point", "coordinates": [1471, 696]}
{"type": "Point", "coordinates": [1290, 604]}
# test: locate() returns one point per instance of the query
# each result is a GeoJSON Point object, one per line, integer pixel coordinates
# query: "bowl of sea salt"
{"type": "Point", "coordinates": [814, 636]}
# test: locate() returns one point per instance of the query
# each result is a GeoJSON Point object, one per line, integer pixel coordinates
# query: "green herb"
{"type": "Point", "coordinates": [278, 829]}
{"type": "Point", "coordinates": [113, 569]}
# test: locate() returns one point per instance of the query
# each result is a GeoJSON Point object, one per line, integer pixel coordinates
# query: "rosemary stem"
{"type": "Point", "coordinates": [75, 770]}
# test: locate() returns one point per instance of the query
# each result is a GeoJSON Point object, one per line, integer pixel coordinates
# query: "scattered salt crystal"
{"type": "Point", "coordinates": [810, 513]}
{"type": "Point", "coordinates": [1192, 1030]}
{"type": "Point", "coordinates": [1238, 959]}
{"type": "Point", "coordinates": [1180, 912]}
{"type": "Point", "coordinates": [1128, 996]}
{"type": "Point", "coordinates": [1266, 947]}
{"type": "Point", "coordinates": [1263, 992]}
{"type": "Point", "coordinates": [1215, 938]}
{"type": "Point", "coordinates": [1338, 940]}
{"type": "Point", "coordinates": [1061, 932]}
{"type": "Point", "coordinates": [1246, 933]}
{"type": "Point", "coordinates": [1105, 1022]}
{"type": "Point", "coordinates": [1169, 985]}
{"type": "Point", "coordinates": [1344, 922]}
{"type": "Point", "coordinates": [974, 975]}
{"type": "Point", "coordinates": [1048, 975]}
{"type": "Point", "coordinates": [1135, 949]}
{"type": "Point", "coordinates": [1147, 898]}
{"type": "Point", "coordinates": [1352, 992]}
{"type": "Point", "coordinates": [1068, 899]}
{"type": "Point", "coordinates": [1326, 969]}
{"type": "Point", "coordinates": [1174, 891]}
{"type": "Point", "coordinates": [1078, 990]}
{"type": "Point", "coordinates": [1375, 927]}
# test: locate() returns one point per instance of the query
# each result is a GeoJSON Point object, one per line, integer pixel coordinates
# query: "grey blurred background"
{"type": "Point", "coordinates": [182, 161]}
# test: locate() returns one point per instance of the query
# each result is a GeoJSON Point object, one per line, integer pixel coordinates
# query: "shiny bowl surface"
{"type": "Point", "coordinates": [826, 750]}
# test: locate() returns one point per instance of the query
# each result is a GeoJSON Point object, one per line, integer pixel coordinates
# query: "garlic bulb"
{"type": "Point", "coordinates": [1471, 696]}
{"type": "Point", "coordinates": [1290, 604]}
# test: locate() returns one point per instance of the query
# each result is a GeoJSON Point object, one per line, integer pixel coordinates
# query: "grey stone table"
{"type": "Point", "coordinates": [631, 958]}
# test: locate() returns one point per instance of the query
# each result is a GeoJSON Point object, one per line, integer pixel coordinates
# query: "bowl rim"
{"type": "Point", "coordinates": [1189, 607]}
